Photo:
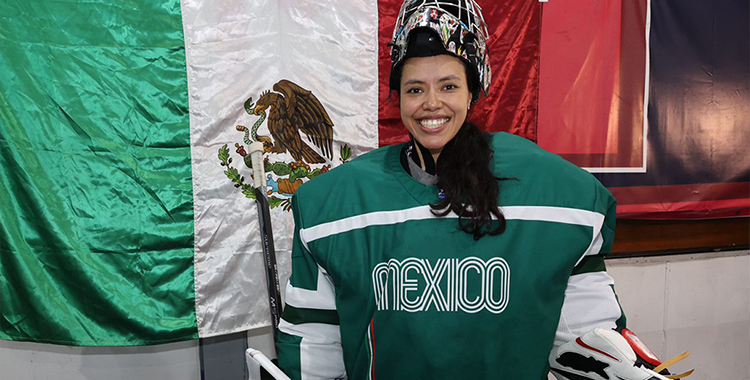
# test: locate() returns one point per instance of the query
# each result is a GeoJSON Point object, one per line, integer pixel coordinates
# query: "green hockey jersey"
{"type": "Point", "coordinates": [382, 288]}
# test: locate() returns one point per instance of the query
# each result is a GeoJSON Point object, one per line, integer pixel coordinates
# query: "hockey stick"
{"type": "Point", "coordinates": [266, 232]}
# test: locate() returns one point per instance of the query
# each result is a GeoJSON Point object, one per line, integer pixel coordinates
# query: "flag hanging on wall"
{"type": "Point", "coordinates": [592, 81]}
{"type": "Point", "coordinates": [698, 115]}
{"type": "Point", "coordinates": [124, 197]}
{"type": "Point", "coordinates": [126, 213]}
{"type": "Point", "coordinates": [126, 216]}
{"type": "Point", "coordinates": [653, 97]}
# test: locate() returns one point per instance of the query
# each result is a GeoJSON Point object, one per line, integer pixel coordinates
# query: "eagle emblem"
{"type": "Point", "coordinates": [294, 110]}
{"type": "Point", "coordinates": [292, 113]}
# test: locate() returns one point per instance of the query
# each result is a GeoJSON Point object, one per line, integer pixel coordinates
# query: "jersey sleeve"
{"type": "Point", "coordinates": [590, 298]}
{"type": "Point", "coordinates": [309, 343]}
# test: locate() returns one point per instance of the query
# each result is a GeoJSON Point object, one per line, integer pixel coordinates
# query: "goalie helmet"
{"type": "Point", "coordinates": [460, 29]}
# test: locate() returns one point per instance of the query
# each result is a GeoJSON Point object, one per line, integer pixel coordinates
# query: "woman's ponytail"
{"type": "Point", "coordinates": [471, 189]}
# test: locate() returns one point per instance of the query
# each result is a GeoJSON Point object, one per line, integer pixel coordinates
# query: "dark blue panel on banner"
{"type": "Point", "coordinates": [699, 95]}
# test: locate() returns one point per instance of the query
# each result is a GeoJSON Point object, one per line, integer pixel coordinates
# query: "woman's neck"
{"type": "Point", "coordinates": [422, 157]}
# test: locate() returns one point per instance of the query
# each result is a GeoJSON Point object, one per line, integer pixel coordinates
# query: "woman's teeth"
{"type": "Point", "coordinates": [433, 123]}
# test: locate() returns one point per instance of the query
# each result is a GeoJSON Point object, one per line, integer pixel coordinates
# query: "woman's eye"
{"type": "Point", "coordinates": [450, 87]}
{"type": "Point", "coordinates": [413, 91]}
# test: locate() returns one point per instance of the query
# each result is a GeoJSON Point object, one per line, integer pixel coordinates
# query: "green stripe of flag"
{"type": "Point", "coordinates": [96, 239]}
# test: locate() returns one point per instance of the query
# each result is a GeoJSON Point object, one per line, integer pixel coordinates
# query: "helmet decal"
{"type": "Point", "coordinates": [460, 26]}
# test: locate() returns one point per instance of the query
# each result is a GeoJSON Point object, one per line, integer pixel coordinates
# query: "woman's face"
{"type": "Point", "coordinates": [434, 99]}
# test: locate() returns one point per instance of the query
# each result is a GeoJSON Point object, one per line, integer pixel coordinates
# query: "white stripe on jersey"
{"type": "Point", "coordinates": [323, 297]}
{"type": "Point", "coordinates": [370, 339]}
{"type": "Point", "coordinates": [321, 355]}
{"type": "Point", "coordinates": [533, 213]}
{"type": "Point", "coordinates": [589, 302]}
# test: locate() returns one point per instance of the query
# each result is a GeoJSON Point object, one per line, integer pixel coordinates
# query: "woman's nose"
{"type": "Point", "coordinates": [432, 101]}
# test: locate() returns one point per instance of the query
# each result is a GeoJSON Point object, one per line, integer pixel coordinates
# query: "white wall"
{"type": "Point", "coordinates": [695, 302]}
{"type": "Point", "coordinates": [35, 361]}
{"type": "Point", "coordinates": [698, 302]}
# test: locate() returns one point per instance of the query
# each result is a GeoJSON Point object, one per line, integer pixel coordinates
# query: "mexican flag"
{"type": "Point", "coordinates": [126, 212]}
{"type": "Point", "coordinates": [127, 216]}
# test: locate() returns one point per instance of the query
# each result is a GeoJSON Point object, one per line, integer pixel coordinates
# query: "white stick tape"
{"type": "Point", "coordinates": [266, 363]}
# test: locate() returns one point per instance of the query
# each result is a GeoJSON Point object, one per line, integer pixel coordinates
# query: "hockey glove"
{"type": "Point", "coordinates": [602, 354]}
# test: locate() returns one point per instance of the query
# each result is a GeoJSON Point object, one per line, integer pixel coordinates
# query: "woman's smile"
{"type": "Point", "coordinates": [434, 99]}
{"type": "Point", "coordinates": [433, 124]}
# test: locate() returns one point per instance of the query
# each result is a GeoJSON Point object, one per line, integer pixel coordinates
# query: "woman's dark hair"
{"type": "Point", "coordinates": [464, 174]}
{"type": "Point", "coordinates": [471, 189]}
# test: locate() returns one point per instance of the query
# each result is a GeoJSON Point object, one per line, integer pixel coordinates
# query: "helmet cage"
{"type": "Point", "coordinates": [464, 34]}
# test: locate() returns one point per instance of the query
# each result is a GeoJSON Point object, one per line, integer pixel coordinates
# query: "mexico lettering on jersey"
{"type": "Point", "coordinates": [381, 286]}
{"type": "Point", "coordinates": [415, 285]}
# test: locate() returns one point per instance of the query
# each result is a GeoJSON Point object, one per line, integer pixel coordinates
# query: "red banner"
{"type": "Point", "coordinates": [592, 81]}
{"type": "Point", "coordinates": [653, 98]}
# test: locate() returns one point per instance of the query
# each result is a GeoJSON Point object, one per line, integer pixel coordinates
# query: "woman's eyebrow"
{"type": "Point", "coordinates": [449, 77]}
{"type": "Point", "coordinates": [443, 79]}
{"type": "Point", "coordinates": [413, 81]}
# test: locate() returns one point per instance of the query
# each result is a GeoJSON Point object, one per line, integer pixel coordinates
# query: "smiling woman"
{"type": "Point", "coordinates": [423, 251]}
{"type": "Point", "coordinates": [434, 100]}
{"type": "Point", "coordinates": [435, 94]}
{"type": "Point", "coordinates": [436, 88]}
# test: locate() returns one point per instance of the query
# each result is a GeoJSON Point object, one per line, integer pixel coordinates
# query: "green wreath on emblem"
{"type": "Point", "coordinates": [290, 175]}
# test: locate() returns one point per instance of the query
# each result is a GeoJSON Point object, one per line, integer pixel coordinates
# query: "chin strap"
{"type": "Point", "coordinates": [603, 354]}
{"type": "Point", "coordinates": [421, 156]}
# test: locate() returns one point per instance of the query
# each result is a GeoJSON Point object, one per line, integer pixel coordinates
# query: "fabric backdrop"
{"type": "Point", "coordinates": [122, 192]}
{"type": "Point", "coordinates": [126, 212]}
{"type": "Point", "coordinates": [654, 97]}
{"type": "Point", "coordinates": [126, 217]}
